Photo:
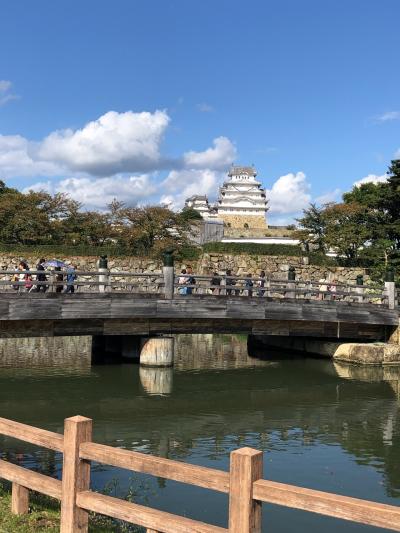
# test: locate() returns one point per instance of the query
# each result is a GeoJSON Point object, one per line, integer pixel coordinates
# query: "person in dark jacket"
{"type": "Point", "coordinates": [249, 285]}
{"type": "Point", "coordinates": [229, 283]}
{"type": "Point", "coordinates": [41, 277]}
{"type": "Point", "coordinates": [215, 282]}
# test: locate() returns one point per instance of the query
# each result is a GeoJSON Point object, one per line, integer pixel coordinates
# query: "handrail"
{"type": "Point", "coordinates": [208, 478]}
{"type": "Point", "coordinates": [335, 505]}
{"type": "Point", "coordinates": [171, 284]}
{"type": "Point", "coordinates": [40, 437]}
{"type": "Point", "coordinates": [243, 483]}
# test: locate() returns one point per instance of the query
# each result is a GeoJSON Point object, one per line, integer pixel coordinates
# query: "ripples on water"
{"type": "Point", "coordinates": [322, 425]}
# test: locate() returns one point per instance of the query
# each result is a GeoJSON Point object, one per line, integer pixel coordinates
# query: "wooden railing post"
{"type": "Point", "coordinates": [76, 474]}
{"type": "Point", "coordinates": [19, 499]}
{"type": "Point", "coordinates": [244, 512]}
{"type": "Point", "coordinates": [390, 289]}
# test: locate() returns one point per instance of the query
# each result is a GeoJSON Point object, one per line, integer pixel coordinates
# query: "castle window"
{"type": "Point", "coordinates": [246, 226]}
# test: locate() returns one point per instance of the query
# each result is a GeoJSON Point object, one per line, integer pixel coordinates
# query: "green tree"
{"type": "Point", "coordinates": [345, 229]}
{"type": "Point", "coordinates": [312, 229]}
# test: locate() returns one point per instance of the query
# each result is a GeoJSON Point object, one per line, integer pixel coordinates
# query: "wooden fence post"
{"type": "Point", "coordinates": [244, 512]}
{"type": "Point", "coordinates": [19, 499]}
{"type": "Point", "coordinates": [76, 474]}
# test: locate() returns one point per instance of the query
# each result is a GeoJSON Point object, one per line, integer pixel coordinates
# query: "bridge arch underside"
{"type": "Point", "coordinates": [144, 327]}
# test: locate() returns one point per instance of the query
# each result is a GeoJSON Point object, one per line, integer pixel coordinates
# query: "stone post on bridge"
{"type": "Point", "coordinates": [360, 288]}
{"type": "Point", "coordinates": [390, 288]}
{"type": "Point", "coordinates": [104, 276]}
{"type": "Point", "coordinates": [168, 272]}
{"type": "Point", "coordinates": [291, 285]}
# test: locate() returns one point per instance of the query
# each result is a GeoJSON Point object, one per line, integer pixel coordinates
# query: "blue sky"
{"type": "Point", "coordinates": [307, 90]}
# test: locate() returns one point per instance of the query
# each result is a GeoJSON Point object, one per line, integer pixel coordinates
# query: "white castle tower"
{"type": "Point", "coordinates": [242, 201]}
{"type": "Point", "coordinates": [241, 204]}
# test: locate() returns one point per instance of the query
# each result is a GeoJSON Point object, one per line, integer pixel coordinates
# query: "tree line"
{"type": "Point", "coordinates": [39, 218]}
{"type": "Point", "coordinates": [363, 228]}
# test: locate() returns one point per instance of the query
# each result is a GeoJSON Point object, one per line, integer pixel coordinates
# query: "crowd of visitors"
{"type": "Point", "coordinates": [229, 284]}
{"type": "Point", "coordinates": [24, 281]}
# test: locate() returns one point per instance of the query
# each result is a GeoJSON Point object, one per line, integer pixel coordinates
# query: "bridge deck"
{"type": "Point", "coordinates": [36, 314]}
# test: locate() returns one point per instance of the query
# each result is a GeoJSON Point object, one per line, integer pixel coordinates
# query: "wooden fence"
{"type": "Point", "coordinates": [243, 483]}
{"type": "Point", "coordinates": [171, 285]}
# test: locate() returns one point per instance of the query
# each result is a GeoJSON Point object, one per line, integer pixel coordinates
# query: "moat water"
{"type": "Point", "coordinates": [321, 425]}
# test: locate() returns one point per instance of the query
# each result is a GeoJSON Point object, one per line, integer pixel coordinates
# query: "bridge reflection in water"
{"type": "Point", "coordinates": [322, 425]}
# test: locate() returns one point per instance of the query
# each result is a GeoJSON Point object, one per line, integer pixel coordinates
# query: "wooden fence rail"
{"type": "Point", "coordinates": [243, 483]}
{"type": "Point", "coordinates": [176, 285]}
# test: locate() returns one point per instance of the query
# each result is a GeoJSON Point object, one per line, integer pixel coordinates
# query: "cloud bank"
{"type": "Point", "coordinates": [119, 155]}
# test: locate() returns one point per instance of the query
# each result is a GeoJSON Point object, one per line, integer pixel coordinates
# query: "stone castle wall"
{"type": "Point", "coordinates": [238, 221]}
{"type": "Point", "coordinates": [276, 267]}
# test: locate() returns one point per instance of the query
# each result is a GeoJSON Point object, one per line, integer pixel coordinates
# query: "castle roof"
{"type": "Point", "coordinates": [235, 171]}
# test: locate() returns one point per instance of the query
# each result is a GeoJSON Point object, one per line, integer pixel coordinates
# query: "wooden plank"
{"type": "Point", "coordinates": [31, 480]}
{"type": "Point", "coordinates": [121, 326]}
{"type": "Point", "coordinates": [37, 308]}
{"type": "Point", "coordinates": [245, 308]}
{"type": "Point", "coordinates": [76, 474]}
{"type": "Point", "coordinates": [19, 499]}
{"type": "Point", "coordinates": [76, 307]}
{"type": "Point", "coordinates": [344, 507]}
{"type": "Point", "coordinates": [40, 437]}
{"type": "Point", "coordinates": [200, 476]}
{"type": "Point", "coordinates": [140, 515]}
{"type": "Point", "coordinates": [94, 326]}
{"type": "Point", "coordinates": [133, 307]}
{"type": "Point", "coordinates": [246, 466]}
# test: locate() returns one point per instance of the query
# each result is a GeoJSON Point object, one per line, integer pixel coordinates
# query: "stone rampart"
{"type": "Point", "coordinates": [276, 267]}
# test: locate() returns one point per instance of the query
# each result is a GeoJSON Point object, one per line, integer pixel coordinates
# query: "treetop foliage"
{"type": "Point", "coordinates": [38, 218]}
{"type": "Point", "coordinates": [365, 225]}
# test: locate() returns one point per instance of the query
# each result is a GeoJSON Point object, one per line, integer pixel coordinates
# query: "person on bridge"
{"type": "Point", "coordinates": [25, 276]}
{"type": "Point", "coordinates": [182, 280]}
{"type": "Point", "coordinates": [261, 284]}
{"type": "Point", "coordinates": [191, 279]}
{"type": "Point", "coordinates": [249, 285]}
{"type": "Point", "coordinates": [215, 282]}
{"type": "Point", "coordinates": [71, 277]}
{"type": "Point", "coordinates": [41, 277]}
{"type": "Point", "coordinates": [229, 282]}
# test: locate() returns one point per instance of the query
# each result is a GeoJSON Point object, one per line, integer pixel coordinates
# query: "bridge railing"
{"type": "Point", "coordinates": [243, 483]}
{"type": "Point", "coordinates": [193, 285]}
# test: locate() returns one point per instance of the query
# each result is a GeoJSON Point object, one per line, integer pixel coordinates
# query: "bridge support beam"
{"type": "Point", "coordinates": [157, 352]}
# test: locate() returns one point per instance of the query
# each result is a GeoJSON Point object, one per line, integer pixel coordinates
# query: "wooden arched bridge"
{"type": "Point", "coordinates": [130, 303]}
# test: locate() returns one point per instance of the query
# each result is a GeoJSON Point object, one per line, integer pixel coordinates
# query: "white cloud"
{"type": "Point", "coordinates": [289, 194]}
{"type": "Point", "coordinates": [205, 108]}
{"type": "Point", "coordinates": [330, 196]}
{"type": "Point", "coordinates": [5, 92]}
{"type": "Point", "coordinates": [93, 163]}
{"type": "Point", "coordinates": [181, 184]}
{"type": "Point", "coordinates": [116, 142]}
{"type": "Point", "coordinates": [220, 157]}
{"type": "Point", "coordinates": [96, 193]}
{"type": "Point", "coordinates": [389, 115]}
{"type": "Point", "coordinates": [371, 178]}
{"type": "Point", "coordinates": [5, 86]}
{"type": "Point", "coordinates": [18, 157]}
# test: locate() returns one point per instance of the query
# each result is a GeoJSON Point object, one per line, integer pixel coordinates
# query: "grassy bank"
{"type": "Point", "coordinates": [44, 517]}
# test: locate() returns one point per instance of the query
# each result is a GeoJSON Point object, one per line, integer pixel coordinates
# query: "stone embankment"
{"type": "Point", "coordinates": [276, 267]}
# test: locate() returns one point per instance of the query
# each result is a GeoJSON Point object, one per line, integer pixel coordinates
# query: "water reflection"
{"type": "Point", "coordinates": [156, 380]}
{"type": "Point", "coordinates": [323, 425]}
